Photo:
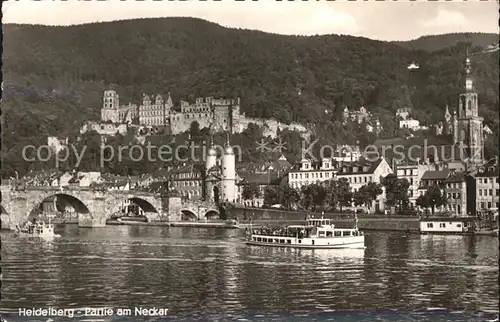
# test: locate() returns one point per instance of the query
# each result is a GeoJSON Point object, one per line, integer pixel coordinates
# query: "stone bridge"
{"type": "Point", "coordinates": [199, 210]}
{"type": "Point", "coordinates": [94, 207]}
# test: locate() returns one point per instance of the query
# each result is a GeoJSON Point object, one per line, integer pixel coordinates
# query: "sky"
{"type": "Point", "coordinates": [386, 20]}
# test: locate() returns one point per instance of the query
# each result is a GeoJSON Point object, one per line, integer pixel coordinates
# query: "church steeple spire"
{"type": "Point", "coordinates": [469, 81]}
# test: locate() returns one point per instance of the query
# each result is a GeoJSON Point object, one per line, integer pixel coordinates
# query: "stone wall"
{"type": "Point", "coordinates": [283, 217]}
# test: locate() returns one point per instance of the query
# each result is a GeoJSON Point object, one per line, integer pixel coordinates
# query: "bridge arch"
{"type": "Point", "coordinates": [212, 214]}
{"type": "Point", "coordinates": [80, 207]}
{"type": "Point", "coordinates": [188, 215]}
{"type": "Point", "coordinates": [144, 204]}
{"type": "Point", "coordinates": [150, 211]}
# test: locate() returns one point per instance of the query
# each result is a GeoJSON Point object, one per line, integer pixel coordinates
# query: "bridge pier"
{"type": "Point", "coordinates": [171, 206]}
{"type": "Point", "coordinates": [17, 211]}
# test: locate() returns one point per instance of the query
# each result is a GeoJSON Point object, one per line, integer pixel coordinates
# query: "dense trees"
{"type": "Point", "coordinates": [58, 81]}
{"type": "Point", "coordinates": [433, 198]}
{"type": "Point", "coordinates": [397, 193]}
{"type": "Point", "coordinates": [367, 194]}
{"type": "Point", "coordinates": [250, 191]}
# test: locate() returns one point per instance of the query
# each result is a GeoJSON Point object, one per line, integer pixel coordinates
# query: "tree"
{"type": "Point", "coordinates": [367, 194]}
{"type": "Point", "coordinates": [345, 193]}
{"type": "Point", "coordinates": [270, 196]}
{"type": "Point", "coordinates": [432, 198]}
{"type": "Point", "coordinates": [289, 196]}
{"type": "Point", "coordinates": [313, 195]}
{"type": "Point", "coordinates": [397, 193]}
{"type": "Point", "coordinates": [251, 191]}
{"type": "Point", "coordinates": [338, 194]}
{"type": "Point", "coordinates": [194, 131]}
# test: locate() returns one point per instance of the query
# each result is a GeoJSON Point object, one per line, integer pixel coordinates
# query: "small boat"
{"type": "Point", "coordinates": [315, 234]}
{"type": "Point", "coordinates": [37, 228]}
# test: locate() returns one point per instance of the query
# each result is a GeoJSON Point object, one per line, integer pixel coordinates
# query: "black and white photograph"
{"type": "Point", "coordinates": [251, 160]}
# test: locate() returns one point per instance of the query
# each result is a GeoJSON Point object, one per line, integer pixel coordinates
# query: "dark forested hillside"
{"type": "Point", "coordinates": [438, 42]}
{"type": "Point", "coordinates": [54, 77]}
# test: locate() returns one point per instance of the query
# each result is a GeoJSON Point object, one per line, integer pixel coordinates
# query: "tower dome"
{"type": "Point", "coordinates": [212, 152]}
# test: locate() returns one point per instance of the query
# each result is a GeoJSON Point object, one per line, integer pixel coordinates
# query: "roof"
{"type": "Point", "coordinates": [358, 167]}
{"type": "Point", "coordinates": [436, 175]}
{"type": "Point", "coordinates": [270, 178]}
{"type": "Point", "coordinates": [190, 168]}
{"type": "Point", "coordinates": [456, 177]}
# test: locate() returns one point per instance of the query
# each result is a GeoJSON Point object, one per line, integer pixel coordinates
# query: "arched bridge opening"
{"type": "Point", "coordinates": [212, 215]}
{"type": "Point", "coordinates": [145, 205]}
{"type": "Point", "coordinates": [136, 207]}
{"type": "Point", "coordinates": [188, 215]}
{"type": "Point", "coordinates": [61, 205]}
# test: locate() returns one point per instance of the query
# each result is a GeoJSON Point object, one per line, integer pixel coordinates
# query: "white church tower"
{"type": "Point", "coordinates": [228, 173]}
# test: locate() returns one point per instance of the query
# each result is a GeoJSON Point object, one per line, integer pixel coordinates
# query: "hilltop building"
{"type": "Point", "coordinates": [159, 116]}
{"type": "Point", "coordinates": [360, 116]}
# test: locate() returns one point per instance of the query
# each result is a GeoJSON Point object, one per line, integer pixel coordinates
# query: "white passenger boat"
{"type": "Point", "coordinates": [37, 228]}
{"type": "Point", "coordinates": [315, 234]}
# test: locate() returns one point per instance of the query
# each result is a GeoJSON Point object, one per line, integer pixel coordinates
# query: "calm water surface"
{"type": "Point", "coordinates": [210, 275]}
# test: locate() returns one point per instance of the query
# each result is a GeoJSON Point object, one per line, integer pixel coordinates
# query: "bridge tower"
{"type": "Point", "coordinates": [228, 173]}
{"type": "Point", "coordinates": [211, 160]}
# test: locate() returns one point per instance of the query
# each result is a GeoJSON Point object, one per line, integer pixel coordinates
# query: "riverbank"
{"type": "Point", "coordinates": [193, 224]}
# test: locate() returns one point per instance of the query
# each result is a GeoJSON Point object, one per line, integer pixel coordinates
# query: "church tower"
{"type": "Point", "coordinates": [469, 126]}
{"type": "Point", "coordinates": [228, 173]}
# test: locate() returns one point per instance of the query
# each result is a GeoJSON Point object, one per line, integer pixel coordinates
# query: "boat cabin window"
{"type": "Point", "coordinates": [329, 233]}
{"type": "Point", "coordinates": [459, 225]}
{"type": "Point", "coordinates": [442, 225]}
{"type": "Point", "coordinates": [355, 233]}
{"type": "Point", "coordinates": [321, 234]}
{"type": "Point", "coordinates": [430, 225]}
{"type": "Point", "coordinates": [337, 233]}
{"type": "Point", "coordinates": [346, 233]}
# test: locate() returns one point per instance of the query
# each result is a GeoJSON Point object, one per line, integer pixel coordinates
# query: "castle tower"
{"type": "Point", "coordinates": [168, 107]}
{"type": "Point", "coordinates": [470, 124]}
{"type": "Point", "coordinates": [228, 173]}
{"type": "Point", "coordinates": [110, 107]}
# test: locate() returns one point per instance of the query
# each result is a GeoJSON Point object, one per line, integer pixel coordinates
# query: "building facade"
{"type": "Point", "coordinates": [487, 189]}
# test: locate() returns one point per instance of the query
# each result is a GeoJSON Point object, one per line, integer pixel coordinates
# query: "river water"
{"type": "Point", "coordinates": [211, 275]}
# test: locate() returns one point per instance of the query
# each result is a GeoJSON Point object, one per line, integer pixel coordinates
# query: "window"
{"type": "Point", "coordinates": [346, 233]}
{"type": "Point", "coordinates": [329, 234]}
{"type": "Point", "coordinates": [337, 233]}
{"type": "Point", "coordinates": [442, 225]}
{"type": "Point", "coordinates": [459, 225]}
{"type": "Point", "coordinates": [430, 225]}
{"type": "Point", "coordinates": [481, 192]}
{"type": "Point", "coordinates": [491, 192]}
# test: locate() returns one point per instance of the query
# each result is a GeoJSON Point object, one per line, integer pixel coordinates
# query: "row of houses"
{"type": "Point", "coordinates": [466, 192]}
